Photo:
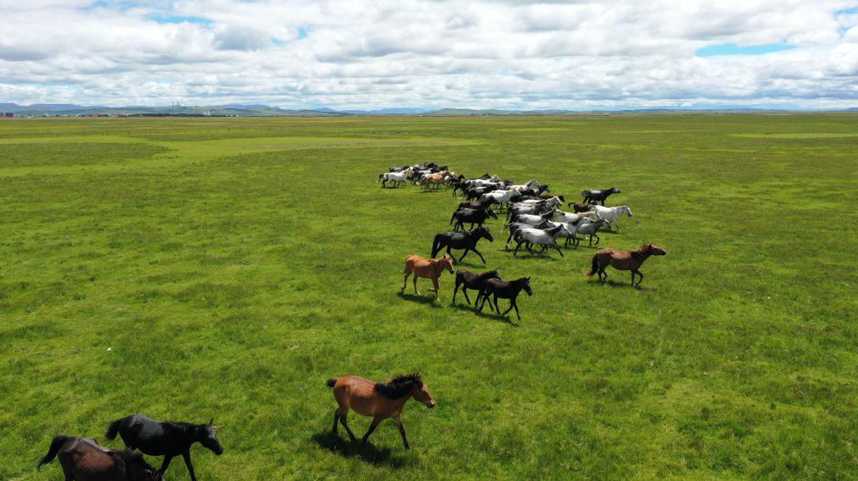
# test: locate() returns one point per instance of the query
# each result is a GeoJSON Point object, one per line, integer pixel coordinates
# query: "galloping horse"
{"type": "Point", "coordinates": [471, 280]}
{"type": "Point", "coordinates": [624, 261]}
{"type": "Point", "coordinates": [461, 240]}
{"type": "Point", "coordinates": [429, 268]}
{"type": "Point", "coordinates": [379, 400]}
{"type": "Point", "coordinates": [598, 196]}
{"type": "Point", "coordinates": [472, 217]}
{"type": "Point", "coordinates": [168, 439]}
{"type": "Point", "coordinates": [505, 290]}
{"type": "Point", "coordinates": [82, 459]}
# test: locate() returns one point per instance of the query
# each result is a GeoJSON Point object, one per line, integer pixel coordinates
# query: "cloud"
{"type": "Point", "coordinates": [431, 53]}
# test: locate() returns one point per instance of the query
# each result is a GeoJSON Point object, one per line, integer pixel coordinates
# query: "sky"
{"type": "Point", "coordinates": [482, 54]}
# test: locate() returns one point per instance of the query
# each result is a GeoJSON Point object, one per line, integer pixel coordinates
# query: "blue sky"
{"type": "Point", "coordinates": [433, 53]}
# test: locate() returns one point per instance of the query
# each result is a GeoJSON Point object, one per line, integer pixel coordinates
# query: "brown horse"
{"type": "Point", "coordinates": [379, 400]}
{"type": "Point", "coordinates": [429, 268]}
{"type": "Point", "coordinates": [624, 261]}
{"type": "Point", "coordinates": [82, 459]}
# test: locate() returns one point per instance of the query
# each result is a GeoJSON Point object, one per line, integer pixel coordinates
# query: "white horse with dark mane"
{"type": "Point", "coordinates": [396, 178]}
{"type": "Point", "coordinates": [545, 238]}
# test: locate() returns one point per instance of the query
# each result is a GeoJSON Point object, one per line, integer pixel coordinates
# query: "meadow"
{"type": "Point", "coordinates": [197, 268]}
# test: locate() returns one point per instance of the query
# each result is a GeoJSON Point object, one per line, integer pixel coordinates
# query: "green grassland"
{"type": "Point", "coordinates": [190, 268]}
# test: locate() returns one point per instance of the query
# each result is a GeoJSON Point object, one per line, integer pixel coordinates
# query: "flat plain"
{"type": "Point", "coordinates": [197, 268]}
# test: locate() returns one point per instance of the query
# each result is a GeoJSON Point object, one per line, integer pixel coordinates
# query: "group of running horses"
{"type": "Point", "coordinates": [534, 221]}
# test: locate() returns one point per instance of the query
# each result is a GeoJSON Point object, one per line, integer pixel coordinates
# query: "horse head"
{"type": "Point", "coordinates": [524, 282]}
{"type": "Point", "coordinates": [447, 263]}
{"type": "Point", "coordinates": [653, 250]}
{"type": "Point", "coordinates": [614, 190]}
{"type": "Point", "coordinates": [420, 392]}
{"type": "Point", "coordinates": [627, 210]}
{"type": "Point", "coordinates": [207, 436]}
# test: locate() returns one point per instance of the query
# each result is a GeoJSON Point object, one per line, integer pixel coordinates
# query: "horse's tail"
{"type": "Point", "coordinates": [436, 244]}
{"type": "Point", "coordinates": [113, 429]}
{"type": "Point", "coordinates": [594, 265]}
{"type": "Point", "coordinates": [56, 444]}
{"type": "Point", "coordinates": [331, 382]}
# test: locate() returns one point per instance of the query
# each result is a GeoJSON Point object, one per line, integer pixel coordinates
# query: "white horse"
{"type": "Point", "coordinates": [531, 219]}
{"type": "Point", "coordinates": [586, 228]}
{"type": "Point", "coordinates": [570, 218]}
{"type": "Point", "coordinates": [499, 196]}
{"type": "Point", "coordinates": [612, 214]}
{"type": "Point", "coordinates": [545, 238]}
{"type": "Point", "coordinates": [396, 178]}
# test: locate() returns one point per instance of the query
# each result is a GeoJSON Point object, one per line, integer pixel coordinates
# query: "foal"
{"type": "Point", "coordinates": [472, 280]}
{"type": "Point", "coordinates": [624, 261]}
{"type": "Point", "coordinates": [82, 459]}
{"type": "Point", "coordinates": [168, 439]}
{"type": "Point", "coordinates": [429, 268]}
{"type": "Point", "coordinates": [505, 290]}
{"type": "Point", "coordinates": [379, 400]}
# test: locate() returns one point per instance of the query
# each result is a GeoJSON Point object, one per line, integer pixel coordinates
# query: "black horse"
{"type": "Point", "coordinates": [461, 240]}
{"type": "Point", "coordinates": [168, 439]}
{"type": "Point", "coordinates": [498, 288]}
{"type": "Point", "coordinates": [472, 280]}
{"type": "Point", "coordinates": [475, 217]}
{"type": "Point", "coordinates": [598, 196]}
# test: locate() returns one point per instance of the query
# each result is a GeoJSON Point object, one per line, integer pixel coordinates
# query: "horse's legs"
{"type": "Point", "coordinates": [405, 281]}
{"type": "Point", "coordinates": [465, 292]}
{"type": "Point", "coordinates": [511, 305]}
{"type": "Point", "coordinates": [478, 253]}
{"type": "Point", "coordinates": [375, 421]}
{"type": "Point", "coordinates": [345, 425]}
{"type": "Point", "coordinates": [515, 305]}
{"type": "Point", "coordinates": [497, 308]}
{"type": "Point", "coordinates": [640, 277]}
{"type": "Point", "coordinates": [336, 420]}
{"type": "Point", "coordinates": [166, 463]}
{"type": "Point", "coordinates": [415, 284]}
{"type": "Point", "coordinates": [558, 250]}
{"type": "Point", "coordinates": [466, 253]}
{"type": "Point", "coordinates": [517, 245]}
{"type": "Point", "coordinates": [401, 431]}
{"type": "Point", "coordinates": [455, 290]}
{"type": "Point", "coordinates": [435, 284]}
{"type": "Point", "coordinates": [187, 457]}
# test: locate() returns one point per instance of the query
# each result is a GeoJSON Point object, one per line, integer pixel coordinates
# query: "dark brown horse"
{"type": "Point", "coordinates": [498, 288]}
{"type": "Point", "coordinates": [624, 261]}
{"type": "Point", "coordinates": [82, 459]}
{"type": "Point", "coordinates": [472, 280]}
{"type": "Point", "coordinates": [378, 400]}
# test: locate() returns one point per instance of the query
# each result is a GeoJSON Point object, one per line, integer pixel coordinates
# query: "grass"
{"type": "Point", "coordinates": [190, 268]}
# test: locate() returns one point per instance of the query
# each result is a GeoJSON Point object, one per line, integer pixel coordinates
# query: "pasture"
{"type": "Point", "coordinates": [226, 268]}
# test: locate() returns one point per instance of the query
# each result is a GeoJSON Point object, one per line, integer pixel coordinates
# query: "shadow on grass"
{"type": "Point", "coordinates": [365, 452]}
{"type": "Point", "coordinates": [614, 284]}
{"type": "Point", "coordinates": [487, 314]}
{"type": "Point", "coordinates": [420, 299]}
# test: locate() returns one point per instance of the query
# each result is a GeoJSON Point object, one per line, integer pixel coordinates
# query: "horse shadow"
{"type": "Point", "coordinates": [619, 285]}
{"type": "Point", "coordinates": [485, 314]}
{"type": "Point", "coordinates": [420, 299]}
{"type": "Point", "coordinates": [367, 453]}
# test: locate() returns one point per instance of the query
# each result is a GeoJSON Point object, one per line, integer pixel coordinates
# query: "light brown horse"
{"type": "Point", "coordinates": [429, 268]}
{"type": "Point", "coordinates": [82, 459]}
{"type": "Point", "coordinates": [379, 400]}
{"type": "Point", "coordinates": [624, 261]}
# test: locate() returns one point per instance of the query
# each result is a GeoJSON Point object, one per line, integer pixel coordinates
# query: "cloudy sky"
{"type": "Point", "coordinates": [432, 53]}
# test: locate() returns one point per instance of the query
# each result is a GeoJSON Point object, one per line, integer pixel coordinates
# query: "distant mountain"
{"type": "Point", "coordinates": [261, 110]}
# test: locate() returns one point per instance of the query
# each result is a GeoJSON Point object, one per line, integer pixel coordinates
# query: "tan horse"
{"type": "Point", "coordinates": [378, 400]}
{"type": "Point", "coordinates": [624, 261]}
{"type": "Point", "coordinates": [429, 268]}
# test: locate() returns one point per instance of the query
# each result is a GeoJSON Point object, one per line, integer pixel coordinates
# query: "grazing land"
{"type": "Point", "coordinates": [197, 268]}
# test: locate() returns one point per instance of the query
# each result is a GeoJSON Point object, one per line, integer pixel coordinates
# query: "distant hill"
{"type": "Point", "coordinates": [261, 110]}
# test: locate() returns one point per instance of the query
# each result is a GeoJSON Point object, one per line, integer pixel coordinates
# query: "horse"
{"type": "Point", "coordinates": [598, 196]}
{"type": "Point", "coordinates": [168, 439]}
{"type": "Point", "coordinates": [545, 238]}
{"type": "Point", "coordinates": [569, 218]}
{"type": "Point", "coordinates": [612, 214]}
{"type": "Point", "coordinates": [579, 208]}
{"type": "Point", "coordinates": [588, 228]}
{"type": "Point", "coordinates": [517, 226]}
{"type": "Point", "coordinates": [82, 459]}
{"type": "Point", "coordinates": [471, 280]}
{"type": "Point", "coordinates": [624, 261]}
{"type": "Point", "coordinates": [476, 204]}
{"type": "Point", "coordinates": [396, 178]}
{"type": "Point", "coordinates": [379, 400]}
{"type": "Point", "coordinates": [429, 268]}
{"type": "Point", "coordinates": [461, 240]}
{"type": "Point", "coordinates": [471, 216]}
{"type": "Point", "coordinates": [498, 288]}
{"type": "Point", "coordinates": [532, 219]}
{"type": "Point", "coordinates": [434, 181]}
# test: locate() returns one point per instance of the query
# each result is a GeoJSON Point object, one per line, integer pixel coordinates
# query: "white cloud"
{"type": "Point", "coordinates": [433, 53]}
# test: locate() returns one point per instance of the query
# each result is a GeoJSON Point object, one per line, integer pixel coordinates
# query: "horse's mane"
{"type": "Point", "coordinates": [399, 386]}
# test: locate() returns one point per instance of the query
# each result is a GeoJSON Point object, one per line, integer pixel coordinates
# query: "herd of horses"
{"type": "Point", "coordinates": [534, 221]}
